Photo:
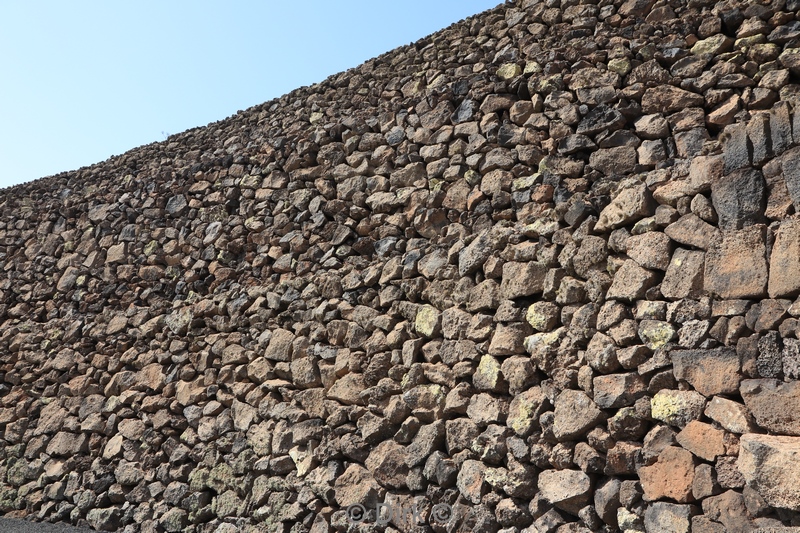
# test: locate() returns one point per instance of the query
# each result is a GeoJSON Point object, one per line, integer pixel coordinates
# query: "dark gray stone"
{"type": "Point", "coordinates": [739, 198]}
{"type": "Point", "coordinates": [601, 118]}
{"type": "Point", "coordinates": [737, 149]}
{"type": "Point", "coordinates": [790, 165]}
{"type": "Point", "coordinates": [758, 132]}
{"type": "Point", "coordinates": [780, 128]}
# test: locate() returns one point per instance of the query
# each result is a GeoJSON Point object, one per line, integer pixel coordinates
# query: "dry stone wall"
{"type": "Point", "coordinates": [537, 272]}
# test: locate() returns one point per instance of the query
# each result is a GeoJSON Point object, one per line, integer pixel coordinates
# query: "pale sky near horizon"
{"type": "Point", "coordinates": [82, 81]}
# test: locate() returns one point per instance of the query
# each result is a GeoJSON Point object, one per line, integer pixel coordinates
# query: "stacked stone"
{"type": "Point", "coordinates": [541, 267]}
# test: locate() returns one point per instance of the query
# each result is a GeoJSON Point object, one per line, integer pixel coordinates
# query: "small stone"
{"type": "Point", "coordinates": [655, 333]}
{"type": "Point", "coordinates": [67, 444]}
{"type": "Point", "coordinates": [280, 346]}
{"type": "Point", "coordinates": [522, 279]}
{"type": "Point", "coordinates": [471, 481]}
{"type": "Point", "coordinates": [651, 153]}
{"type": "Point", "coordinates": [667, 518]}
{"type": "Point", "coordinates": [652, 127]}
{"type": "Point", "coordinates": [575, 415]}
{"type": "Point", "coordinates": [671, 476]}
{"type": "Point", "coordinates": [543, 316]}
{"type": "Point", "coordinates": [356, 485]}
{"type": "Point", "coordinates": [617, 390]}
{"type": "Point", "coordinates": [725, 112]}
{"type": "Point", "coordinates": [485, 409]}
{"type": "Point", "coordinates": [616, 161]}
{"type": "Point", "coordinates": [632, 203]}
{"type": "Point", "coordinates": [387, 464]}
{"type": "Point", "coordinates": [177, 205]}
{"type": "Point", "coordinates": [713, 46]}
{"type": "Point", "coordinates": [509, 71]}
{"type": "Point", "coordinates": [677, 408]}
{"type": "Point", "coordinates": [487, 376]}
{"type": "Point", "coordinates": [684, 277]}
{"type": "Point", "coordinates": [667, 99]}
{"type": "Point", "coordinates": [524, 411]}
{"type": "Point", "coordinates": [347, 389]}
{"type": "Point", "coordinates": [693, 231]}
{"type": "Point", "coordinates": [631, 282]}
{"type": "Point", "coordinates": [790, 165]}
{"type": "Point", "coordinates": [650, 250]}
{"type": "Point", "coordinates": [568, 490]}
{"type": "Point", "coordinates": [428, 321]}
{"type": "Point", "coordinates": [703, 440]}
{"type": "Point", "coordinates": [731, 415]}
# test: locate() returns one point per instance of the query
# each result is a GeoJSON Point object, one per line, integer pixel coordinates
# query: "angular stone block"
{"type": "Point", "coordinates": [736, 265]}
{"type": "Point", "coordinates": [771, 465]}
{"type": "Point", "coordinates": [773, 403]}
{"type": "Point", "coordinates": [739, 198]}
{"type": "Point", "coordinates": [684, 277]}
{"type": "Point", "coordinates": [710, 372]}
{"type": "Point", "coordinates": [784, 263]}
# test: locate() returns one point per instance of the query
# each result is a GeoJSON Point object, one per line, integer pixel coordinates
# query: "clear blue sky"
{"type": "Point", "coordinates": [81, 81]}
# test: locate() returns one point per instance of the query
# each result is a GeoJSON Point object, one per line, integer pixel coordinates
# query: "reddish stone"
{"type": "Point", "coordinates": [671, 476]}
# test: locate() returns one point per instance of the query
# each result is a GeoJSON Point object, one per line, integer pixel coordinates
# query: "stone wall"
{"type": "Point", "coordinates": [536, 272]}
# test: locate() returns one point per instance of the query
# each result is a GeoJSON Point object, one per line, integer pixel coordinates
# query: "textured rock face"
{"type": "Point", "coordinates": [770, 465]}
{"type": "Point", "coordinates": [540, 268]}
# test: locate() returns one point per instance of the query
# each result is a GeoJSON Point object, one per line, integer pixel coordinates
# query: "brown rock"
{"type": "Point", "coordinates": [771, 466]}
{"type": "Point", "coordinates": [356, 485]}
{"type": "Point", "coordinates": [703, 440]}
{"type": "Point", "coordinates": [617, 390]}
{"type": "Point", "coordinates": [666, 99]}
{"type": "Point", "coordinates": [784, 263]}
{"type": "Point", "coordinates": [522, 279]}
{"type": "Point", "coordinates": [568, 490]}
{"type": "Point", "coordinates": [471, 481]}
{"type": "Point", "coordinates": [387, 464]}
{"type": "Point", "coordinates": [575, 415]}
{"type": "Point", "coordinates": [631, 282]}
{"type": "Point", "coordinates": [736, 265]}
{"type": "Point", "coordinates": [729, 509]}
{"type": "Point", "coordinates": [650, 250]}
{"type": "Point", "coordinates": [633, 202]}
{"type": "Point", "coordinates": [731, 415]}
{"type": "Point", "coordinates": [486, 409]}
{"type": "Point", "coordinates": [774, 404]}
{"type": "Point", "coordinates": [280, 346]}
{"type": "Point", "coordinates": [671, 476]}
{"type": "Point", "coordinates": [614, 161]}
{"type": "Point", "coordinates": [652, 127]}
{"type": "Point", "coordinates": [65, 444]}
{"type": "Point", "coordinates": [692, 231]}
{"type": "Point", "coordinates": [51, 419]}
{"type": "Point", "coordinates": [668, 517]}
{"type": "Point", "coordinates": [591, 77]}
{"type": "Point", "coordinates": [710, 372]}
{"type": "Point", "coordinates": [347, 389]}
{"type": "Point", "coordinates": [684, 277]}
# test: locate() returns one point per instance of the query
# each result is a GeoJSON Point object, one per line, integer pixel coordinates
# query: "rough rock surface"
{"type": "Point", "coordinates": [540, 266]}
